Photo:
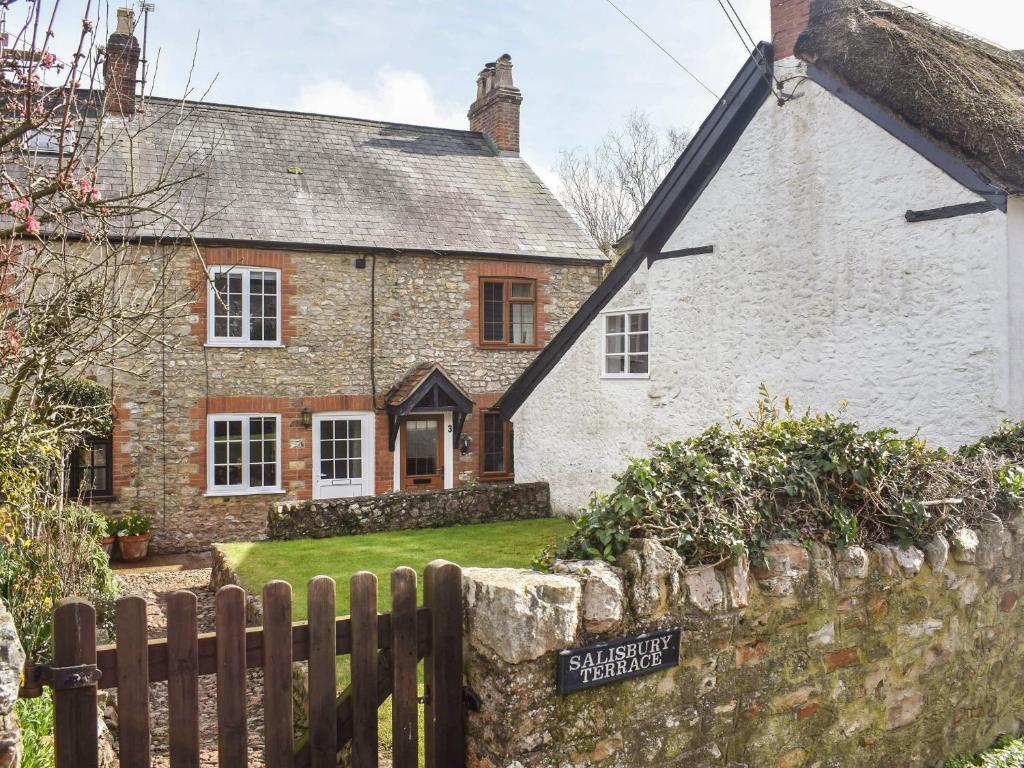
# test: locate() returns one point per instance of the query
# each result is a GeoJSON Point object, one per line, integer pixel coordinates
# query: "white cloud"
{"type": "Point", "coordinates": [396, 95]}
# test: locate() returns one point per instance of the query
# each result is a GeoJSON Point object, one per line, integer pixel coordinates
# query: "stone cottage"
{"type": "Point", "coordinates": [847, 225]}
{"type": "Point", "coordinates": [361, 296]}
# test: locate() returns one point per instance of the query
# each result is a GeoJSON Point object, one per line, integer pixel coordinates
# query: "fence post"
{"type": "Point", "coordinates": [75, 710]}
{"type": "Point", "coordinates": [444, 716]}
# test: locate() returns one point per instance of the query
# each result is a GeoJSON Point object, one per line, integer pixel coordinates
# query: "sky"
{"type": "Point", "coordinates": [580, 65]}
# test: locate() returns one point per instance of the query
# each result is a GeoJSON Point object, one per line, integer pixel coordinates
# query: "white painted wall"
{"type": "Point", "coordinates": [818, 287]}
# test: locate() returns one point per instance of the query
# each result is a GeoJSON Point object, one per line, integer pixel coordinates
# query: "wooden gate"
{"type": "Point", "coordinates": [385, 649]}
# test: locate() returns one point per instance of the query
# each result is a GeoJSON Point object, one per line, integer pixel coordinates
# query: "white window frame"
{"type": "Point", "coordinates": [602, 336]}
{"type": "Point", "coordinates": [244, 489]}
{"type": "Point", "coordinates": [212, 340]}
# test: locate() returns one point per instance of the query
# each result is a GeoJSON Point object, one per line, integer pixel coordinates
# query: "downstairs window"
{"type": "Point", "coordinates": [497, 458]}
{"type": "Point", "coordinates": [243, 453]}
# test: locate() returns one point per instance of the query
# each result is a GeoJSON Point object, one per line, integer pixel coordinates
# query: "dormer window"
{"type": "Point", "coordinates": [49, 142]}
{"type": "Point", "coordinates": [244, 307]}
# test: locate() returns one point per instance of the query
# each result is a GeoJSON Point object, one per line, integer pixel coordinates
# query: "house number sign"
{"type": "Point", "coordinates": [615, 660]}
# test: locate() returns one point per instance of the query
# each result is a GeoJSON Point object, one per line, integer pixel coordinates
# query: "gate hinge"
{"type": "Point", "coordinates": [62, 678]}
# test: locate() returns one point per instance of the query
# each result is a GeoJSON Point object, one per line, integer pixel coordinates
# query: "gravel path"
{"type": "Point", "coordinates": [155, 586]}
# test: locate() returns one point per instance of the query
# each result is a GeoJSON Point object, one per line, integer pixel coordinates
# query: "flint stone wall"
{"type": "Point", "coordinates": [484, 503]}
{"type": "Point", "coordinates": [12, 661]}
{"type": "Point", "coordinates": [820, 659]}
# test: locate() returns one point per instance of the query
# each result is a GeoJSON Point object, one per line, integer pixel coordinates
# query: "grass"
{"type": "Point", "coordinates": [511, 545]}
{"type": "Point", "coordinates": [1007, 752]}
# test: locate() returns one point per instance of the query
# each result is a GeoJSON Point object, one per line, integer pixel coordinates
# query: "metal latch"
{"type": "Point", "coordinates": [62, 678]}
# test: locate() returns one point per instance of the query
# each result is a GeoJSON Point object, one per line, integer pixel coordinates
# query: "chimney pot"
{"type": "Point", "coordinates": [121, 65]}
{"type": "Point", "coordinates": [495, 112]}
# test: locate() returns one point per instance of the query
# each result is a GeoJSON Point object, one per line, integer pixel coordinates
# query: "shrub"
{"type": "Point", "coordinates": [1007, 752]}
{"type": "Point", "coordinates": [812, 476]}
{"type": "Point", "coordinates": [36, 716]}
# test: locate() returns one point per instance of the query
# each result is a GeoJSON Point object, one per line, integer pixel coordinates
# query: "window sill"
{"type": "Point", "coordinates": [625, 376]}
{"type": "Point", "coordinates": [246, 492]}
{"type": "Point", "coordinates": [242, 345]}
{"type": "Point", "coordinates": [497, 477]}
{"type": "Point", "coordinates": [512, 347]}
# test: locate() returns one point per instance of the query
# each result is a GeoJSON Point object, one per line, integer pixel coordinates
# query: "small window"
{"type": "Point", "coordinates": [244, 453]}
{"type": "Point", "coordinates": [47, 141]}
{"type": "Point", "coordinates": [626, 337]}
{"type": "Point", "coordinates": [92, 470]}
{"type": "Point", "coordinates": [497, 452]}
{"type": "Point", "coordinates": [245, 306]}
{"type": "Point", "coordinates": [507, 317]}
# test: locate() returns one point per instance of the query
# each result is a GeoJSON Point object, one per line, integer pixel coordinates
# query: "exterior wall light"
{"type": "Point", "coordinates": [307, 417]}
{"type": "Point", "coordinates": [465, 444]}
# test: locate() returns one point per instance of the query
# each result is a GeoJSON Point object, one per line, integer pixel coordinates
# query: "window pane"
{"type": "Point", "coordinates": [355, 429]}
{"type": "Point", "coordinates": [637, 342]}
{"type": "Point", "coordinates": [327, 470]}
{"type": "Point", "coordinates": [227, 305]}
{"type": "Point", "coordinates": [615, 344]}
{"type": "Point", "coordinates": [227, 452]}
{"type": "Point", "coordinates": [638, 322]}
{"type": "Point", "coordinates": [615, 364]}
{"type": "Point", "coordinates": [355, 468]}
{"type": "Point", "coordinates": [421, 449]}
{"type": "Point", "coordinates": [521, 317]}
{"type": "Point", "coordinates": [522, 290]}
{"type": "Point", "coordinates": [615, 323]}
{"type": "Point", "coordinates": [262, 451]}
{"type": "Point", "coordinates": [494, 443]}
{"type": "Point", "coordinates": [638, 363]}
{"type": "Point", "coordinates": [494, 311]}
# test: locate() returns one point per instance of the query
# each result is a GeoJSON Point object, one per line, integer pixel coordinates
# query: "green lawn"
{"type": "Point", "coordinates": [511, 545]}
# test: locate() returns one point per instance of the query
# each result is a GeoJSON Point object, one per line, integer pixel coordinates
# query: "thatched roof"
{"type": "Point", "coordinates": [961, 91]}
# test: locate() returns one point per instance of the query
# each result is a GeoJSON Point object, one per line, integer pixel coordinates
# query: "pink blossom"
{"type": "Point", "coordinates": [47, 59]}
{"type": "Point", "coordinates": [19, 206]}
{"type": "Point", "coordinates": [32, 225]}
{"type": "Point", "coordinates": [86, 186]}
{"type": "Point", "coordinates": [95, 195]}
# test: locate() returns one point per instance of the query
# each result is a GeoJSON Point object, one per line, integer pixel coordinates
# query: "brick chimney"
{"type": "Point", "coordinates": [789, 19]}
{"type": "Point", "coordinates": [496, 109]}
{"type": "Point", "coordinates": [121, 65]}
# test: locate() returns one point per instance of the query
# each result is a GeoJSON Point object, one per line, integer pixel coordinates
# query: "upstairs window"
{"type": "Point", "coordinates": [92, 470]}
{"type": "Point", "coordinates": [244, 453]}
{"type": "Point", "coordinates": [497, 452]}
{"type": "Point", "coordinates": [507, 312]}
{"type": "Point", "coordinates": [245, 306]}
{"type": "Point", "coordinates": [626, 341]}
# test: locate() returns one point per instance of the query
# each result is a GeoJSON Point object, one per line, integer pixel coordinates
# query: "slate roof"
{"type": "Point", "coordinates": [297, 178]}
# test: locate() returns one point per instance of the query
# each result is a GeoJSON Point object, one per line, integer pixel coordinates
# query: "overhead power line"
{"type": "Point", "coordinates": [664, 50]}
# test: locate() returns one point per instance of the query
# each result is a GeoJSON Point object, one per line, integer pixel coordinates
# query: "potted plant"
{"type": "Point", "coordinates": [111, 525]}
{"type": "Point", "coordinates": [133, 535]}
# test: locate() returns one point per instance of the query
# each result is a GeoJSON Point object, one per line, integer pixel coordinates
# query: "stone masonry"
{"type": "Point", "coordinates": [818, 659]}
{"type": "Point", "coordinates": [483, 503]}
{"type": "Point", "coordinates": [426, 310]}
{"type": "Point", "coordinates": [12, 660]}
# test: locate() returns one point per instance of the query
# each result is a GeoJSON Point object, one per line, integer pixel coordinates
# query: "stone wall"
{"type": "Point", "coordinates": [820, 659]}
{"type": "Point", "coordinates": [485, 503]}
{"type": "Point", "coordinates": [12, 661]}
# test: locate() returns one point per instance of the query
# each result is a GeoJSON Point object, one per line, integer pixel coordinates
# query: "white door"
{"type": "Point", "coordinates": [342, 455]}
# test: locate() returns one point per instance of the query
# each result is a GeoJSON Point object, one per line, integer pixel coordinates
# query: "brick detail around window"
{"type": "Point", "coordinates": [538, 272]}
{"type": "Point", "coordinates": [124, 468]}
{"type": "Point", "coordinates": [296, 440]}
{"type": "Point", "coordinates": [244, 257]}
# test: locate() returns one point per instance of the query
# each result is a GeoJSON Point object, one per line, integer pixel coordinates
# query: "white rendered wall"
{"type": "Point", "coordinates": [818, 287]}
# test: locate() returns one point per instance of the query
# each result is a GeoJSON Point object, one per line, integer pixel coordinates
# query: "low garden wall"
{"type": "Point", "coordinates": [822, 659]}
{"type": "Point", "coordinates": [483, 503]}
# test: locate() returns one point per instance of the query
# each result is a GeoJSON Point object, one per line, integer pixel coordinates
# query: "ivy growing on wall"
{"type": "Point", "coordinates": [806, 476]}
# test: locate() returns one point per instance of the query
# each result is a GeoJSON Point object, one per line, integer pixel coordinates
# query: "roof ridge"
{"type": "Point", "coordinates": [300, 114]}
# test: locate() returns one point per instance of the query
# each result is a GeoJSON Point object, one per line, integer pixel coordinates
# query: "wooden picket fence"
{"type": "Point", "coordinates": [385, 649]}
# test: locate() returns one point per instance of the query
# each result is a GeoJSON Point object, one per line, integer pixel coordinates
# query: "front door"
{"type": "Point", "coordinates": [342, 455]}
{"type": "Point", "coordinates": [422, 452]}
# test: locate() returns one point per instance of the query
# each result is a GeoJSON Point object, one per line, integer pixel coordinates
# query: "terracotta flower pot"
{"type": "Point", "coordinates": [134, 547]}
{"type": "Point", "coordinates": [108, 545]}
